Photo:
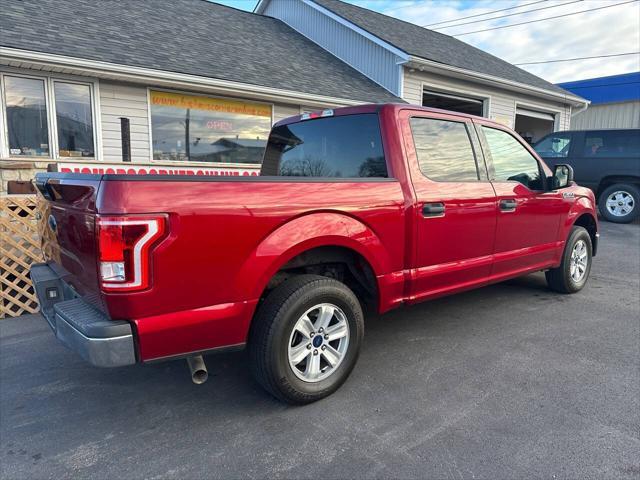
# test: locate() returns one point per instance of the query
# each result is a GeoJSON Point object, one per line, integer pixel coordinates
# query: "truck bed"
{"type": "Point", "coordinates": [227, 236]}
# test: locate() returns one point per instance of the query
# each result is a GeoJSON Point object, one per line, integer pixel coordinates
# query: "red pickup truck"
{"type": "Point", "coordinates": [376, 205]}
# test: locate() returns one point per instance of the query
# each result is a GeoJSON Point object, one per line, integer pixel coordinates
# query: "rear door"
{"type": "Point", "coordinates": [455, 212]}
{"type": "Point", "coordinates": [528, 217]}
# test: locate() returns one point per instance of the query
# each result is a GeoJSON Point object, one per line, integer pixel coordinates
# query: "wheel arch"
{"type": "Point", "coordinates": [610, 180]}
{"type": "Point", "coordinates": [328, 236]}
{"type": "Point", "coordinates": [582, 213]}
{"type": "Point", "coordinates": [590, 224]}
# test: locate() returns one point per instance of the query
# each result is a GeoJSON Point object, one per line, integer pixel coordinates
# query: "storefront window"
{"type": "Point", "coordinates": [26, 111]}
{"type": "Point", "coordinates": [73, 118]}
{"type": "Point", "coordinates": [205, 129]}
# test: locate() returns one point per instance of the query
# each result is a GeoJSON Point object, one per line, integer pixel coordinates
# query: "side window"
{"type": "Point", "coordinates": [348, 146]}
{"type": "Point", "coordinates": [27, 121]}
{"type": "Point", "coordinates": [615, 143]}
{"type": "Point", "coordinates": [593, 144]}
{"type": "Point", "coordinates": [556, 145]}
{"type": "Point", "coordinates": [74, 120]}
{"type": "Point", "coordinates": [444, 150]}
{"type": "Point", "coordinates": [511, 160]}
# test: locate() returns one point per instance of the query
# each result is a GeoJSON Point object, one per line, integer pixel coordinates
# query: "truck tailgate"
{"type": "Point", "coordinates": [70, 223]}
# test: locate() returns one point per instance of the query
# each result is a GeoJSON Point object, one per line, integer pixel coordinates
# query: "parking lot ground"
{"type": "Point", "coordinates": [509, 381]}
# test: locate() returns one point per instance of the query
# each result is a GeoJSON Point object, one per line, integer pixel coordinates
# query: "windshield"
{"type": "Point", "coordinates": [554, 146]}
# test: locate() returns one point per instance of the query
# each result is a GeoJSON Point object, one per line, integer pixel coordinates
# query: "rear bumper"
{"type": "Point", "coordinates": [80, 326]}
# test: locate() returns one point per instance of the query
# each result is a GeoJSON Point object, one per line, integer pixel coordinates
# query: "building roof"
{"type": "Point", "coordinates": [240, 142]}
{"type": "Point", "coordinates": [615, 88]}
{"type": "Point", "coordinates": [420, 42]}
{"type": "Point", "coordinates": [193, 37]}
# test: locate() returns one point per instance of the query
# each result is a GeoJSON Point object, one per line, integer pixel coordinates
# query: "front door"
{"type": "Point", "coordinates": [528, 216]}
{"type": "Point", "coordinates": [455, 210]}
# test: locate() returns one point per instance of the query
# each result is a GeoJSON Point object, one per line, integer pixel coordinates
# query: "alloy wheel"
{"type": "Point", "coordinates": [318, 343]}
{"type": "Point", "coordinates": [579, 260]}
{"type": "Point", "coordinates": [620, 203]}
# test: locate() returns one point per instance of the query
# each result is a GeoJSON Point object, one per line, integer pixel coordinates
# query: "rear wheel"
{"type": "Point", "coordinates": [573, 272]}
{"type": "Point", "coordinates": [305, 338]}
{"type": "Point", "coordinates": [620, 203]}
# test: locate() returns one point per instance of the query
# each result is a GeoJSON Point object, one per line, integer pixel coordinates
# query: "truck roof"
{"type": "Point", "coordinates": [375, 108]}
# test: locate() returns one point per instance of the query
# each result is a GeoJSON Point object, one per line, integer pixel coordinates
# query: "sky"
{"type": "Point", "coordinates": [611, 30]}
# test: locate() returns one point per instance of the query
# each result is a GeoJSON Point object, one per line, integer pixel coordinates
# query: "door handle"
{"type": "Point", "coordinates": [508, 205]}
{"type": "Point", "coordinates": [433, 209]}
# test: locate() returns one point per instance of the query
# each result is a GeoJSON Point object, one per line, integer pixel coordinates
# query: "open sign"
{"type": "Point", "coordinates": [220, 125]}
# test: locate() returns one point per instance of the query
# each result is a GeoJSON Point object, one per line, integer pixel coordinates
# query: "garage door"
{"type": "Point", "coordinates": [535, 114]}
{"type": "Point", "coordinates": [532, 125]}
{"type": "Point", "coordinates": [454, 103]}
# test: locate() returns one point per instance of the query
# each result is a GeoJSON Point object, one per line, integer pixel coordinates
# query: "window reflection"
{"type": "Point", "coordinates": [444, 150]}
{"type": "Point", "coordinates": [511, 161]}
{"type": "Point", "coordinates": [206, 129]}
{"type": "Point", "coordinates": [348, 146]}
{"type": "Point", "coordinates": [26, 112]}
{"type": "Point", "coordinates": [74, 120]}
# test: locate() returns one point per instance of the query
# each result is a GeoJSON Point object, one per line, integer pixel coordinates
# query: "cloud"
{"type": "Point", "coordinates": [602, 32]}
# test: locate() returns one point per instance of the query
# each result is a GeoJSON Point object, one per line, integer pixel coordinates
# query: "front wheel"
{"type": "Point", "coordinates": [573, 272]}
{"type": "Point", "coordinates": [305, 338]}
{"type": "Point", "coordinates": [620, 203]}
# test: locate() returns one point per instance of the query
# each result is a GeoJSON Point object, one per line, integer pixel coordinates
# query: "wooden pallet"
{"type": "Point", "coordinates": [20, 246]}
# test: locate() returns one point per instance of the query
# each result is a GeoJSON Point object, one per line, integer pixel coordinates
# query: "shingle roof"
{"type": "Point", "coordinates": [186, 36]}
{"type": "Point", "coordinates": [438, 47]}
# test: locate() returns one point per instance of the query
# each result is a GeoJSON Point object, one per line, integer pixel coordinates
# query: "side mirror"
{"type": "Point", "coordinates": [562, 176]}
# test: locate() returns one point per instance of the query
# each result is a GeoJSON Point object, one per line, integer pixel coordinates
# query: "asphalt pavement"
{"type": "Point", "coordinates": [508, 381]}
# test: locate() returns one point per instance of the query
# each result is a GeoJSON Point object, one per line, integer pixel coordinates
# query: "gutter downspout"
{"type": "Point", "coordinates": [584, 106]}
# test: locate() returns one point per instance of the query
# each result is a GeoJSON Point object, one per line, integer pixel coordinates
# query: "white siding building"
{"type": "Point", "coordinates": [131, 92]}
{"type": "Point", "coordinates": [428, 68]}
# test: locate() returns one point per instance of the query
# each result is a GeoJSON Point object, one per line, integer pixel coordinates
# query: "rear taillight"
{"type": "Point", "coordinates": [124, 246]}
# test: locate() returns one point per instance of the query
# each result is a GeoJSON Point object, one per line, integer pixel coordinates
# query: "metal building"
{"type": "Point", "coordinates": [615, 102]}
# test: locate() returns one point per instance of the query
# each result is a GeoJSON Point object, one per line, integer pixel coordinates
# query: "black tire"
{"type": "Point", "coordinates": [627, 190]}
{"type": "Point", "coordinates": [560, 279]}
{"type": "Point", "coordinates": [272, 329]}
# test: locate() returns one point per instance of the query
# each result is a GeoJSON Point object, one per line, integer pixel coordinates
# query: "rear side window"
{"type": "Point", "coordinates": [615, 143]}
{"type": "Point", "coordinates": [348, 146]}
{"type": "Point", "coordinates": [511, 161]}
{"type": "Point", "coordinates": [444, 150]}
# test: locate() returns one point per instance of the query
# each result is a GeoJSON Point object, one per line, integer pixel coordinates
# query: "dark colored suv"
{"type": "Point", "coordinates": [606, 161]}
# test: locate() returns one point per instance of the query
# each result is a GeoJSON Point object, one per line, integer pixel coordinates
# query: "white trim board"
{"type": "Point", "coordinates": [421, 64]}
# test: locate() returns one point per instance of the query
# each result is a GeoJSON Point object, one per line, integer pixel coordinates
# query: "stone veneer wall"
{"type": "Point", "coordinates": [19, 170]}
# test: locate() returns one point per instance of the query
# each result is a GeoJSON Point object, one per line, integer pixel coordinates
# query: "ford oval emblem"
{"type": "Point", "coordinates": [53, 225]}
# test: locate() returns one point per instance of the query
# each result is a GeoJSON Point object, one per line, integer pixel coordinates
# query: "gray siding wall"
{"type": "Point", "coordinates": [608, 115]}
{"type": "Point", "coordinates": [501, 103]}
{"type": "Point", "coordinates": [281, 111]}
{"type": "Point", "coordinates": [372, 60]}
{"type": "Point", "coordinates": [130, 101]}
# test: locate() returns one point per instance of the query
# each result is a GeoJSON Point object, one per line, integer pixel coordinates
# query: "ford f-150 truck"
{"type": "Point", "coordinates": [374, 206]}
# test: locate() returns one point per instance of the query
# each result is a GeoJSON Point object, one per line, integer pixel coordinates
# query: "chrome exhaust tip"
{"type": "Point", "coordinates": [198, 369]}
